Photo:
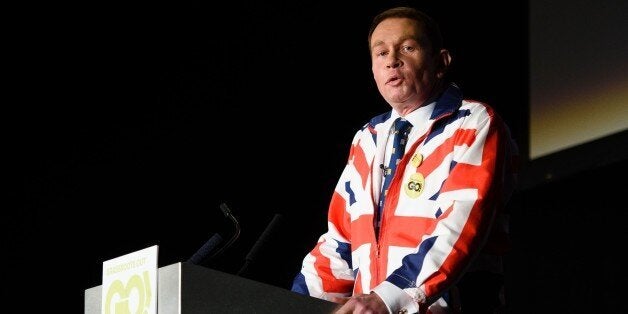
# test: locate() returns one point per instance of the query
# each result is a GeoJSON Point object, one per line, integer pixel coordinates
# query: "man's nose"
{"type": "Point", "coordinates": [393, 62]}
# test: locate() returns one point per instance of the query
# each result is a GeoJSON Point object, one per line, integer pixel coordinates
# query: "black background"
{"type": "Point", "coordinates": [134, 122]}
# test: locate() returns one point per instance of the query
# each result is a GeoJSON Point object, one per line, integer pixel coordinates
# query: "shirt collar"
{"type": "Point", "coordinates": [418, 117]}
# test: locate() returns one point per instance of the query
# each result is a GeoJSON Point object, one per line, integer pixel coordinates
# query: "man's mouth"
{"type": "Point", "coordinates": [393, 79]}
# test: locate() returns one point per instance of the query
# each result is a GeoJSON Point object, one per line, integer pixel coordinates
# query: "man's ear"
{"type": "Point", "coordinates": [443, 61]}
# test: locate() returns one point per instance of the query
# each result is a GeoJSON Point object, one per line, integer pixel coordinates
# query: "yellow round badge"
{"type": "Point", "coordinates": [415, 185]}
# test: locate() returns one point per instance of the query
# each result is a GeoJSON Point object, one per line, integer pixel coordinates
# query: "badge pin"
{"type": "Point", "coordinates": [415, 185]}
{"type": "Point", "coordinates": [416, 160]}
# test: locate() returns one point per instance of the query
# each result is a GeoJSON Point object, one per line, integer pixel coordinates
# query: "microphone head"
{"type": "Point", "coordinates": [225, 210]}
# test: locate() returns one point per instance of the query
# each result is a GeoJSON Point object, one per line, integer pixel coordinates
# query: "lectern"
{"type": "Point", "coordinates": [190, 289]}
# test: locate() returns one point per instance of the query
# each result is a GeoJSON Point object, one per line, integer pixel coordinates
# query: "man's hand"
{"type": "Point", "coordinates": [363, 303]}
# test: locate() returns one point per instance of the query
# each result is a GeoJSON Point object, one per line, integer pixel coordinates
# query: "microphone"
{"type": "Point", "coordinates": [385, 170]}
{"type": "Point", "coordinates": [261, 242]}
{"type": "Point", "coordinates": [202, 256]}
{"type": "Point", "coordinates": [227, 212]}
{"type": "Point", "coordinates": [204, 251]}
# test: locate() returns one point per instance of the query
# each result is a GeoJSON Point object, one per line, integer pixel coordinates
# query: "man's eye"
{"type": "Point", "coordinates": [408, 48]}
{"type": "Point", "coordinates": [381, 53]}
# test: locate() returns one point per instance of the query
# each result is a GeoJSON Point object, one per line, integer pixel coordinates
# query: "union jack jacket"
{"type": "Point", "coordinates": [444, 205]}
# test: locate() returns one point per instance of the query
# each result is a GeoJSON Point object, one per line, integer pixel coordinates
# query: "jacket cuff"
{"type": "Point", "coordinates": [396, 299]}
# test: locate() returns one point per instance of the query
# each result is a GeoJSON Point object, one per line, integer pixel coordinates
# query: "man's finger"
{"type": "Point", "coordinates": [340, 300]}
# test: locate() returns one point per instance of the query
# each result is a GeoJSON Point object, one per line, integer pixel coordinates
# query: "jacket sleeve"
{"type": "Point", "coordinates": [327, 270]}
{"type": "Point", "coordinates": [468, 201]}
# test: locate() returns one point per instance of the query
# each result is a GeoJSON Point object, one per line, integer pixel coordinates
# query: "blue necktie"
{"type": "Point", "coordinates": [401, 130]}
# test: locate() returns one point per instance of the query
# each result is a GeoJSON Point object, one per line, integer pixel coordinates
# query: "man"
{"type": "Point", "coordinates": [424, 187]}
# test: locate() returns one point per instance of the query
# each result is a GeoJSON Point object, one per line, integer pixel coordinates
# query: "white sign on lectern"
{"type": "Point", "coordinates": [129, 283]}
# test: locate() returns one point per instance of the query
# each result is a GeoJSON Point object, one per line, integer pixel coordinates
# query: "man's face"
{"type": "Point", "coordinates": [404, 68]}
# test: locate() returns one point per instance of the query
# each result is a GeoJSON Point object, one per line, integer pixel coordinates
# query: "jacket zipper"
{"type": "Point", "coordinates": [382, 220]}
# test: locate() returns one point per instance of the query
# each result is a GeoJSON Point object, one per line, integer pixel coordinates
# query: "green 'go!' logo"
{"type": "Point", "coordinates": [135, 283]}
